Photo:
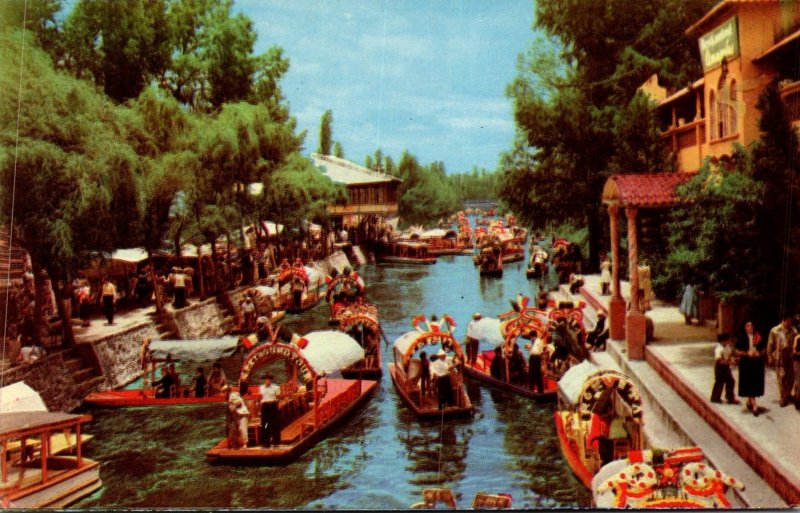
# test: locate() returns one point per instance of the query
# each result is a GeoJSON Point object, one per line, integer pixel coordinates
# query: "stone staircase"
{"type": "Point", "coordinates": [165, 324]}
{"type": "Point", "coordinates": [82, 364]}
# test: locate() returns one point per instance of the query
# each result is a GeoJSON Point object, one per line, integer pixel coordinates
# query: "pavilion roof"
{"type": "Point", "coordinates": [644, 190]}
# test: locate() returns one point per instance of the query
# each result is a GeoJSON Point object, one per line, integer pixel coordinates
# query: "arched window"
{"type": "Point", "coordinates": [712, 111]}
{"type": "Point", "coordinates": [732, 107]}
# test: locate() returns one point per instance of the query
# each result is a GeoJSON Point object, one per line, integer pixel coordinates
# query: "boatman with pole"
{"type": "Point", "coordinates": [270, 417]}
{"type": "Point", "coordinates": [441, 370]}
{"type": "Point", "coordinates": [472, 340]}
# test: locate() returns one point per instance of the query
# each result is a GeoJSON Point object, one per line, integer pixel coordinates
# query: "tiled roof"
{"type": "Point", "coordinates": [348, 173]}
{"type": "Point", "coordinates": [644, 190]}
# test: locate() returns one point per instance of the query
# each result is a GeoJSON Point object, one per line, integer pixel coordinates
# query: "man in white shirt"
{"type": "Point", "coordinates": [441, 372]}
{"type": "Point", "coordinates": [535, 379]}
{"type": "Point", "coordinates": [472, 340]}
{"type": "Point", "coordinates": [270, 416]}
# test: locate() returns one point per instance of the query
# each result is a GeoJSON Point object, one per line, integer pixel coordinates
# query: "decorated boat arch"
{"type": "Point", "coordinates": [360, 321]}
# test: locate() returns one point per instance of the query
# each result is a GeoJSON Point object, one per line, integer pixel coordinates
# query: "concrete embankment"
{"type": "Point", "coordinates": [107, 357]}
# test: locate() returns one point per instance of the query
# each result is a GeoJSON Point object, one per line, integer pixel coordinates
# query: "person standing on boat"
{"type": "Point", "coordinates": [270, 424]}
{"type": "Point", "coordinates": [164, 385]}
{"type": "Point", "coordinates": [497, 369]}
{"type": "Point", "coordinates": [424, 372]}
{"type": "Point", "coordinates": [237, 421]}
{"type": "Point", "coordinates": [217, 381]}
{"type": "Point", "coordinates": [472, 340]}
{"type": "Point", "coordinates": [199, 383]}
{"type": "Point", "coordinates": [535, 378]}
{"type": "Point", "coordinates": [441, 370]}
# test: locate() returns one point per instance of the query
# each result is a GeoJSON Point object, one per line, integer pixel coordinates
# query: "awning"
{"type": "Point", "coordinates": [572, 382]}
{"type": "Point", "coordinates": [200, 350]}
{"type": "Point", "coordinates": [130, 255]}
{"type": "Point", "coordinates": [489, 330]}
{"type": "Point", "coordinates": [644, 190]}
{"type": "Point", "coordinates": [329, 351]}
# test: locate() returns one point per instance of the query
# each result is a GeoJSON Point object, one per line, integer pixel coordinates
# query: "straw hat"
{"type": "Point", "coordinates": [476, 316]}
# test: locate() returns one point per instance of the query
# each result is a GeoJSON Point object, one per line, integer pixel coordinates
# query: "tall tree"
{"type": "Point", "coordinates": [120, 45]}
{"type": "Point", "coordinates": [338, 151]}
{"type": "Point", "coordinates": [326, 133]}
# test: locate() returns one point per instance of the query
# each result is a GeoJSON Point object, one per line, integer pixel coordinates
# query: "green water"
{"type": "Point", "coordinates": [382, 457]}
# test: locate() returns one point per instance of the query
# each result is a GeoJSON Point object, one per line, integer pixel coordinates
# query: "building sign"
{"type": "Point", "coordinates": [720, 43]}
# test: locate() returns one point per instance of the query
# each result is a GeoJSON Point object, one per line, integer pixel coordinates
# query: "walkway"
{"type": "Point", "coordinates": [682, 358]}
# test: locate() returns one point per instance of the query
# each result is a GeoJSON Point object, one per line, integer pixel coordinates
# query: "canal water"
{"type": "Point", "coordinates": [382, 457]}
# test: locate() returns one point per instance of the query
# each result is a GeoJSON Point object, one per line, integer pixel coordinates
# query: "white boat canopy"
{"type": "Point", "coordinates": [18, 397]}
{"type": "Point", "coordinates": [572, 382]}
{"type": "Point", "coordinates": [489, 329]}
{"type": "Point", "coordinates": [130, 255]}
{"type": "Point", "coordinates": [200, 350]}
{"type": "Point", "coordinates": [329, 351]}
{"type": "Point", "coordinates": [438, 233]}
{"type": "Point", "coordinates": [407, 343]}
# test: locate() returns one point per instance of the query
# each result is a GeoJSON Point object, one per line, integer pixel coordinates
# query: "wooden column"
{"type": "Point", "coordinates": [635, 325]}
{"type": "Point", "coordinates": [616, 310]}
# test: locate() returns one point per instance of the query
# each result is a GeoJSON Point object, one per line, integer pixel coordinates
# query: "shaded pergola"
{"type": "Point", "coordinates": [633, 192]}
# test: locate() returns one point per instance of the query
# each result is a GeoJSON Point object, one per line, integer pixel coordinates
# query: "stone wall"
{"type": "Point", "coordinates": [119, 354]}
{"type": "Point", "coordinates": [202, 320]}
{"type": "Point", "coordinates": [51, 378]}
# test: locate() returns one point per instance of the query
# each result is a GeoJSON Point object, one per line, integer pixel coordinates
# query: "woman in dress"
{"type": "Point", "coordinates": [605, 276]}
{"type": "Point", "coordinates": [750, 348]}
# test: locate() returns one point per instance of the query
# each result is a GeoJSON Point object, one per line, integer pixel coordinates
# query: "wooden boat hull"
{"type": "Point", "coordinates": [513, 257]}
{"type": "Point", "coordinates": [431, 413]}
{"type": "Point", "coordinates": [549, 394]}
{"type": "Point", "coordinates": [374, 371]}
{"type": "Point", "coordinates": [305, 305]}
{"type": "Point", "coordinates": [288, 452]}
{"type": "Point", "coordinates": [491, 272]}
{"type": "Point", "coordinates": [139, 397]}
{"type": "Point", "coordinates": [406, 260]}
{"type": "Point", "coordinates": [446, 251]}
{"type": "Point", "coordinates": [570, 452]}
{"type": "Point", "coordinates": [60, 490]}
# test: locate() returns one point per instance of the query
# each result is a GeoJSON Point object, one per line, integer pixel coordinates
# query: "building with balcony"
{"type": "Point", "coordinates": [744, 45]}
{"type": "Point", "coordinates": [371, 193]}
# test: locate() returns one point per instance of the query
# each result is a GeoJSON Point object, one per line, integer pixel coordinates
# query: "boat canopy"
{"type": "Point", "coordinates": [26, 423]}
{"type": "Point", "coordinates": [489, 330]}
{"type": "Point", "coordinates": [584, 384]}
{"type": "Point", "coordinates": [359, 314]}
{"type": "Point", "coordinates": [572, 382]}
{"type": "Point", "coordinates": [409, 342]}
{"type": "Point", "coordinates": [18, 397]}
{"type": "Point", "coordinates": [130, 255]}
{"type": "Point", "coordinates": [199, 350]}
{"type": "Point", "coordinates": [438, 233]}
{"type": "Point", "coordinates": [329, 351]}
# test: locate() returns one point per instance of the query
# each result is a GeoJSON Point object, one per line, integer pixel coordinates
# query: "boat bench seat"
{"type": "Point", "coordinates": [298, 428]}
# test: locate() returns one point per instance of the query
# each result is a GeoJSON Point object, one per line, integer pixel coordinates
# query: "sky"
{"type": "Point", "coordinates": [426, 76]}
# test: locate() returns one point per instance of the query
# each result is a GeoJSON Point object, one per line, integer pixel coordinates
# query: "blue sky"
{"type": "Point", "coordinates": [427, 76]}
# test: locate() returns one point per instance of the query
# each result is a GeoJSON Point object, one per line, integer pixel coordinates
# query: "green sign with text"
{"type": "Point", "coordinates": [720, 43]}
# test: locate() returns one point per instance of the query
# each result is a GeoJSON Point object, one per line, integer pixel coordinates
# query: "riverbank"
{"type": "Point", "coordinates": [108, 356]}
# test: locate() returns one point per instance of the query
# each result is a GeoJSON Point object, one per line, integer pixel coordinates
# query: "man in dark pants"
{"type": "Point", "coordinates": [723, 378]}
{"type": "Point", "coordinates": [535, 379]}
{"type": "Point", "coordinates": [441, 370]}
{"type": "Point", "coordinates": [270, 424]}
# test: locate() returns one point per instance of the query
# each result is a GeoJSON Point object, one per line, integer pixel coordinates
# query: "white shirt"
{"type": "Point", "coordinates": [721, 353]}
{"type": "Point", "coordinates": [439, 368]}
{"type": "Point", "coordinates": [537, 347]}
{"type": "Point", "coordinates": [269, 394]}
{"type": "Point", "coordinates": [471, 328]}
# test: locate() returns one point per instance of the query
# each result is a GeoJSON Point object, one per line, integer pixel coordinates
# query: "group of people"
{"type": "Point", "coordinates": [752, 352]}
{"type": "Point", "coordinates": [269, 425]}
{"type": "Point", "coordinates": [169, 384]}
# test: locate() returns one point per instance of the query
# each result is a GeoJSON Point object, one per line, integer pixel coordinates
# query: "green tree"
{"type": "Point", "coordinates": [325, 133]}
{"type": "Point", "coordinates": [711, 235]}
{"type": "Point", "coordinates": [120, 45]}
{"type": "Point", "coordinates": [338, 151]}
{"type": "Point", "coordinates": [38, 16]}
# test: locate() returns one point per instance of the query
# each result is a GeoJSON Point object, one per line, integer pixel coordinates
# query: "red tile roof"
{"type": "Point", "coordinates": [644, 190]}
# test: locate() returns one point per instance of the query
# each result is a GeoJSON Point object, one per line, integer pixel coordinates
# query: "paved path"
{"type": "Point", "coordinates": [683, 357]}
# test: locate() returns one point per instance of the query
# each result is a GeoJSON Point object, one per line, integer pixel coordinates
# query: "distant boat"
{"type": "Point", "coordinates": [312, 401]}
{"type": "Point", "coordinates": [33, 474]}
{"type": "Point", "coordinates": [406, 252]}
{"type": "Point", "coordinates": [360, 321]}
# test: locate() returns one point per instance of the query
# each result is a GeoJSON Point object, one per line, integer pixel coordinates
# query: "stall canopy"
{"type": "Point", "coordinates": [490, 330]}
{"type": "Point", "coordinates": [129, 256]}
{"type": "Point", "coordinates": [19, 397]}
{"type": "Point", "coordinates": [329, 351]}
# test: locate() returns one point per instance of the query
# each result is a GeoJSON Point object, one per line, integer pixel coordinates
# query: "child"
{"type": "Point", "coordinates": [723, 378]}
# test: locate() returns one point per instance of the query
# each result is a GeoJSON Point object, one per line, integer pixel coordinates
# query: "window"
{"type": "Point", "coordinates": [732, 108]}
{"type": "Point", "coordinates": [712, 110]}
